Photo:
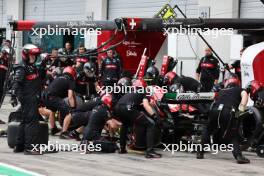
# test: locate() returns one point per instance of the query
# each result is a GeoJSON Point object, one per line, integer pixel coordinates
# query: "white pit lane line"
{"type": "Point", "coordinates": [17, 169]}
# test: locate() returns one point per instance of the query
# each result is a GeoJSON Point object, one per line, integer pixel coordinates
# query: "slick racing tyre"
{"type": "Point", "coordinates": [12, 132]}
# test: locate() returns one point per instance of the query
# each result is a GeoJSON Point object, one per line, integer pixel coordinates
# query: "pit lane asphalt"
{"type": "Point", "coordinates": [74, 163]}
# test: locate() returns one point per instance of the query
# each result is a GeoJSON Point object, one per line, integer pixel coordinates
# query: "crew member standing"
{"type": "Point", "coordinates": [68, 50]}
{"type": "Point", "coordinates": [53, 65]}
{"type": "Point", "coordinates": [110, 69]}
{"type": "Point", "coordinates": [27, 88]}
{"type": "Point", "coordinates": [207, 71]}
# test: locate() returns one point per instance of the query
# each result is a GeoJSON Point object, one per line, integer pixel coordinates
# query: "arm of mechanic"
{"type": "Point", "coordinates": [244, 101]}
{"type": "Point", "coordinates": [72, 98]}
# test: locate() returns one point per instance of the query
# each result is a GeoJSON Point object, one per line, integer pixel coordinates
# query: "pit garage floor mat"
{"type": "Point", "coordinates": [9, 170]}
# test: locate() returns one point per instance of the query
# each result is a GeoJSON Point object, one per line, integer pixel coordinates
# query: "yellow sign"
{"type": "Point", "coordinates": [166, 13]}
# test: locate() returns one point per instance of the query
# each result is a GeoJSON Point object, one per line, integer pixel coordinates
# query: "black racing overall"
{"type": "Point", "coordinates": [223, 124]}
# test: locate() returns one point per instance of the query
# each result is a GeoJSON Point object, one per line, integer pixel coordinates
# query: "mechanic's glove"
{"type": "Point", "coordinates": [14, 101]}
{"type": "Point", "coordinates": [122, 150]}
{"type": "Point", "coordinates": [241, 110]}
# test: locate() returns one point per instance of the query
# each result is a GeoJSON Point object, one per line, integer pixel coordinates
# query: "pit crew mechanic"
{"type": "Point", "coordinates": [110, 69]}
{"type": "Point", "coordinates": [207, 71]}
{"type": "Point", "coordinates": [224, 118]}
{"type": "Point", "coordinates": [128, 110]}
{"type": "Point", "coordinates": [27, 87]}
{"type": "Point", "coordinates": [62, 87]}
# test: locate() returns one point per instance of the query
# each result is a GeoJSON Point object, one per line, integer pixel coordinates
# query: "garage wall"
{"type": "Point", "coordinates": [148, 8]}
{"type": "Point", "coordinates": [189, 7]}
{"type": "Point", "coordinates": [55, 10]}
{"type": "Point", "coordinates": [251, 9]}
{"type": "Point", "coordinates": [2, 13]}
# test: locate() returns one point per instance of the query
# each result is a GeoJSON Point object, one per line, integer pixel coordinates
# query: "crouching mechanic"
{"type": "Point", "coordinates": [129, 110]}
{"type": "Point", "coordinates": [187, 83]}
{"type": "Point", "coordinates": [53, 97]}
{"type": "Point", "coordinates": [223, 118]}
{"type": "Point", "coordinates": [27, 87]}
{"type": "Point", "coordinates": [100, 116]}
{"type": "Point", "coordinates": [80, 117]}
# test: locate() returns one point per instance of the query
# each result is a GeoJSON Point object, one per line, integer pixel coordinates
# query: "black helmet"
{"type": "Point", "coordinates": [125, 85]}
{"type": "Point", "coordinates": [124, 82]}
{"type": "Point", "coordinates": [152, 72]}
{"type": "Point", "coordinates": [176, 87]}
{"type": "Point", "coordinates": [89, 69]}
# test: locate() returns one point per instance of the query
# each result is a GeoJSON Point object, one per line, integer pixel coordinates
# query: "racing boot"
{"type": "Point", "coordinates": [242, 160]}
{"type": "Point", "coordinates": [152, 154]}
{"type": "Point", "coordinates": [70, 135]}
{"type": "Point", "coordinates": [32, 152]}
{"type": "Point", "coordinates": [54, 131]}
{"type": "Point", "coordinates": [75, 135]}
{"type": "Point", "coordinates": [122, 150]}
{"type": "Point", "coordinates": [18, 149]}
{"type": "Point", "coordinates": [200, 155]}
{"type": "Point", "coordinates": [66, 135]}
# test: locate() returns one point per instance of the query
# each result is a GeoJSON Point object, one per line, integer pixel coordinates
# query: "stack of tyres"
{"type": "Point", "coordinates": [12, 132]}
